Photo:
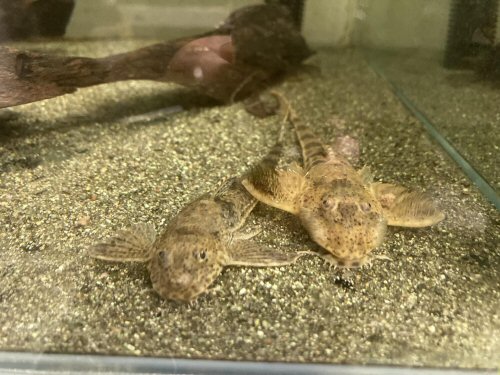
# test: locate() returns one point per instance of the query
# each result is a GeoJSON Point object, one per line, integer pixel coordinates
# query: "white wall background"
{"type": "Point", "coordinates": [402, 23]}
{"type": "Point", "coordinates": [329, 22]}
{"type": "Point", "coordinates": [148, 18]}
{"type": "Point", "coordinates": [325, 21]}
{"type": "Point", "coordinates": [373, 23]}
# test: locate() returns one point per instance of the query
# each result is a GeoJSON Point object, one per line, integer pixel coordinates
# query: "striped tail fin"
{"type": "Point", "coordinates": [262, 174]}
{"type": "Point", "coordinates": [313, 150]}
{"type": "Point", "coordinates": [270, 184]}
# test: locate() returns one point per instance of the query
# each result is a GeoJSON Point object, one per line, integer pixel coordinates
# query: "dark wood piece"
{"type": "Point", "coordinates": [253, 48]}
{"type": "Point", "coordinates": [21, 19]}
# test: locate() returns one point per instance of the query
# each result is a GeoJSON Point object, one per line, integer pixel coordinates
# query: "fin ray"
{"type": "Point", "coordinates": [134, 244]}
{"type": "Point", "coordinates": [406, 208]}
{"type": "Point", "coordinates": [251, 254]}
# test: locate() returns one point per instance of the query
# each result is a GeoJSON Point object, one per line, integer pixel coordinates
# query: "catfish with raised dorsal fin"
{"type": "Point", "coordinates": [342, 209]}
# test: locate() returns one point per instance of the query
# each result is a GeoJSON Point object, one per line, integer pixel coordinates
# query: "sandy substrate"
{"type": "Point", "coordinates": [73, 170]}
{"type": "Point", "coordinates": [462, 106]}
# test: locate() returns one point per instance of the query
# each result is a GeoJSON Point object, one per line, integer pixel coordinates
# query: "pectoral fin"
{"type": "Point", "coordinates": [224, 186]}
{"type": "Point", "coordinates": [131, 245]}
{"type": "Point", "coordinates": [406, 208]}
{"type": "Point", "coordinates": [251, 254]}
{"type": "Point", "coordinates": [276, 188]}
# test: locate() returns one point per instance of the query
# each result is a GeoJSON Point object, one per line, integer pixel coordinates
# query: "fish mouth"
{"type": "Point", "coordinates": [182, 286]}
{"type": "Point", "coordinates": [183, 281]}
{"type": "Point", "coordinates": [180, 292]}
{"type": "Point", "coordinates": [346, 262]}
{"type": "Point", "coordinates": [178, 296]}
{"type": "Point", "coordinates": [349, 246]}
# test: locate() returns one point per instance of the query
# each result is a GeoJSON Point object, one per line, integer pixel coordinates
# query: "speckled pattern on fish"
{"type": "Point", "coordinates": [343, 210]}
{"type": "Point", "coordinates": [202, 239]}
{"type": "Point", "coordinates": [72, 172]}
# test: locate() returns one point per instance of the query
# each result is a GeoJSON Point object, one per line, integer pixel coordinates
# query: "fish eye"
{"type": "Point", "coordinates": [365, 206]}
{"type": "Point", "coordinates": [200, 255]}
{"type": "Point", "coordinates": [163, 257]}
{"type": "Point", "coordinates": [328, 201]}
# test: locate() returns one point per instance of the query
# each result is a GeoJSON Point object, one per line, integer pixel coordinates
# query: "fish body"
{"type": "Point", "coordinates": [337, 206]}
{"type": "Point", "coordinates": [342, 209]}
{"type": "Point", "coordinates": [197, 243]}
{"type": "Point", "coordinates": [195, 246]}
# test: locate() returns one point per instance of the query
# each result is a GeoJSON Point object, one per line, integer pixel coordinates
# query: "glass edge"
{"type": "Point", "coordinates": [42, 363]}
{"type": "Point", "coordinates": [472, 174]}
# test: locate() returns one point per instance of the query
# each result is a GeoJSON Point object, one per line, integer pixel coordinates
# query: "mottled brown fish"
{"type": "Point", "coordinates": [192, 251]}
{"type": "Point", "coordinates": [343, 210]}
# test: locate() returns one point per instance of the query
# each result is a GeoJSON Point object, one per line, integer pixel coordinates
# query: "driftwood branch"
{"type": "Point", "coordinates": [253, 47]}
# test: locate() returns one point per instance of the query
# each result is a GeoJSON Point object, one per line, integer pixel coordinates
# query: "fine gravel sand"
{"type": "Point", "coordinates": [75, 168]}
{"type": "Point", "coordinates": [463, 106]}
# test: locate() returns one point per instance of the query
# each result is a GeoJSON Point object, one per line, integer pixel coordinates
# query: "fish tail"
{"type": "Point", "coordinates": [235, 203]}
{"type": "Point", "coordinates": [261, 172]}
{"type": "Point", "coordinates": [286, 111]}
{"type": "Point", "coordinates": [271, 160]}
{"type": "Point", "coordinates": [313, 151]}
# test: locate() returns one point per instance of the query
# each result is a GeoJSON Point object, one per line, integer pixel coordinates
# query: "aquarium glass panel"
{"type": "Point", "coordinates": [248, 186]}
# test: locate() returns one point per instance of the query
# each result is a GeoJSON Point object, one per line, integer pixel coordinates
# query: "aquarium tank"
{"type": "Point", "coordinates": [250, 187]}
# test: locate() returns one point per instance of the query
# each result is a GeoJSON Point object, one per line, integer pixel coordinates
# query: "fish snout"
{"type": "Point", "coordinates": [347, 209]}
{"type": "Point", "coordinates": [183, 280]}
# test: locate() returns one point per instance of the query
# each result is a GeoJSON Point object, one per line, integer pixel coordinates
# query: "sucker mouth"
{"type": "Point", "coordinates": [183, 280]}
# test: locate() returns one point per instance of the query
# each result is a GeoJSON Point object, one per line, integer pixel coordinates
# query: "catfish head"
{"type": "Point", "coordinates": [345, 218]}
{"type": "Point", "coordinates": [185, 264]}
